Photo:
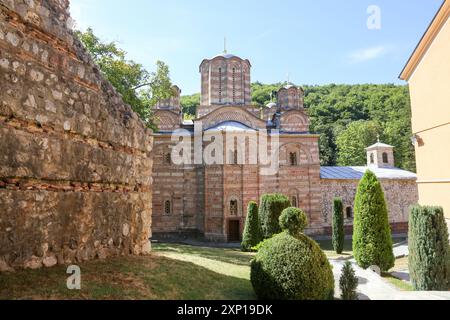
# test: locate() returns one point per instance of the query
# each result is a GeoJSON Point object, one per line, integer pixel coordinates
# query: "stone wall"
{"type": "Point", "coordinates": [399, 194]}
{"type": "Point", "coordinates": [75, 165]}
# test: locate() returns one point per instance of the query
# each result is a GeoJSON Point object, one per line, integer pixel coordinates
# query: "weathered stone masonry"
{"type": "Point", "coordinates": [75, 165]}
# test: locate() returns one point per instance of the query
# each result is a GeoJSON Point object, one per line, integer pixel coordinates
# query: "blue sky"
{"type": "Point", "coordinates": [315, 42]}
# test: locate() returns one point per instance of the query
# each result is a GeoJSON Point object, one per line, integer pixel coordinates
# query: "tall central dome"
{"type": "Point", "coordinates": [225, 80]}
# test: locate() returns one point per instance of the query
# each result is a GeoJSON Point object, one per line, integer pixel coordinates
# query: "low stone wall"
{"type": "Point", "coordinates": [75, 163]}
{"type": "Point", "coordinates": [400, 196]}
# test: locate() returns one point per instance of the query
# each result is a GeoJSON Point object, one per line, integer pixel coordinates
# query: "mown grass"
{"type": "Point", "coordinates": [155, 277]}
{"type": "Point", "coordinates": [172, 272]}
{"type": "Point", "coordinates": [327, 247]}
{"type": "Point", "coordinates": [398, 283]}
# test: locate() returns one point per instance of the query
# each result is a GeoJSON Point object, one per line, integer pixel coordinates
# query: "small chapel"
{"type": "Point", "coordinates": [208, 200]}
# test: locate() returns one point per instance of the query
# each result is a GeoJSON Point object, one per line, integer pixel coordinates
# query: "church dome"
{"type": "Point", "coordinates": [230, 126]}
{"type": "Point", "coordinates": [226, 56]}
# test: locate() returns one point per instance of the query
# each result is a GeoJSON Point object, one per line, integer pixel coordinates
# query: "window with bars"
{"type": "Point", "coordinates": [233, 208]}
{"type": "Point", "coordinates": [167, 207]}
{"type": "Point", "coordinates": [293, 159]}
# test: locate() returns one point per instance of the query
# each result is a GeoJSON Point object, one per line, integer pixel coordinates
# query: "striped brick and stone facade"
{"type": "Point", "coordinates": [209, 199]}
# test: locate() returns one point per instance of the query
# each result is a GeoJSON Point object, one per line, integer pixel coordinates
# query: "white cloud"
{"type": "Point", "coordinates": [367, 54]}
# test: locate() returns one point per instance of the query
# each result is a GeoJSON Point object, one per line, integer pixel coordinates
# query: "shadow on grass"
{"type": "Point", "coordinates": [127, 278]}
{"type": "Point", "coordinates": [233, 256]}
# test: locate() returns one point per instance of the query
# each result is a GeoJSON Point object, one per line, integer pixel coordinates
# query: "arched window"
{"type": "Point", "coordinates": [385, 158]}
{"type": "Point", "coordinates": [233, 208]}
{"type": "Point", "coordinates": [372, 158]}
{"type": "Point", "coordinates": [167, 207]}
{"type": "Point", "coordinates": [349, 212]}
{"type": "Point", "coordinates": [294, 201]}
{"type": "Point", "coordinates": [293, 159]}
{"type": "Point", "coordinates": [234, 85]}
{"type": "Point", "coordinates": [168, 158]}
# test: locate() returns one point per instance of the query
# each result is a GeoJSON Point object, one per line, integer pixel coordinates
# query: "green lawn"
{"type": "Point", "coordinates": [171, 272]}
{"type": "Point", "coordinates": [327, 247]}
{"type": "Point", "coordinates": [398, 283]}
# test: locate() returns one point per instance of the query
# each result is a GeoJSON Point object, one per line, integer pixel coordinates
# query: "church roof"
{"type": "Point", "coordinates": [379, 145]}
{"type": "Point", "coordinates": [356, 173]}
{"type": "Point", "coordinates": [230, 126]}
{"type": "Point", "coordinates": [226, 55]}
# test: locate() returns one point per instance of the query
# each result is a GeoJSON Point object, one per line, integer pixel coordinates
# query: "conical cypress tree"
{"type": "Point", "coordinates": [338, 226]}
{"type": "Point", "coordinates": [429, 250]}
{"type": "Point", "coordinates": [272, 205]}
{"type": "Point", "coordinates": [372, 239]}
{"type": "Point", "coordinates": [252, 233]}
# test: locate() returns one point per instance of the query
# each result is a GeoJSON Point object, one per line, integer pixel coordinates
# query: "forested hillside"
{"type": "Point", "coordinates": [349, 118]}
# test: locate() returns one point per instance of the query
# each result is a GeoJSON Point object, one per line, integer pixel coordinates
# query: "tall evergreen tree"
{"type": "Point", "coordinates": [272, 205]}
{"type": "Point", "coordinates": [429, 251]}
{"type": "Point", "coordinates": [252, 232]}
{"type": "Point", "coordinates": [338, 226]}
{"type": "Point", "coordinates": [372, 239]}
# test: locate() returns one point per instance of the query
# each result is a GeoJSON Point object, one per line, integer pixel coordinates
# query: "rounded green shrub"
{"type": "Point", "coordinates": [293, 220]}
{"type": "Point", "coordinates": [429, 253]}
{"type": "Point", "coordinates": [269, 213]}
{"type": "Point", "coordinates": [252, 232]}
{"type": "Point", "coordinates": [292, 267]}
{"type": "Point", "coordinates": [338, 226]}
{"type": "Point", "coordinates": [372, 239]}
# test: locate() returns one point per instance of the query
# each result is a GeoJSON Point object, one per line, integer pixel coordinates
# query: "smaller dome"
{"type": "Point", "coordinates": [271, 105]}
{"type": "Point", "coordinates": [225, 55]}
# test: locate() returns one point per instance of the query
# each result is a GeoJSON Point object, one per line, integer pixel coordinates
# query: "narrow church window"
{"type": "Point", "coordinates": [167, 207]}
{"type": "Point", "coordinates": [233, 208]}
{"type": "Point", "coordinates": [294, 201]}
{"type": "Point", "coordinates": [220, 85]}
{"type": "Point", "coordinates": [385, 158]}
{"type": "Point", "coordinates": [372, 159]}
{"type": "Point", "coordinates": [293, 158]}
{"type": "Point", "coordinates": [349, 212]}
{"type": "Point", "coordinates": [235, 157]}
{"type": "Point", "coordinates": [168, 158]}
{"type": "Point", "coordinates": [234, 85]}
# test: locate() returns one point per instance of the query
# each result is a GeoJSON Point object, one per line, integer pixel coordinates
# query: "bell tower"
{"type": "Point", "coordinates": [380, 155]}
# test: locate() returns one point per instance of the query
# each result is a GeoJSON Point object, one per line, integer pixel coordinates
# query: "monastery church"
{"type": "Point", "coordinates": [209, 201]}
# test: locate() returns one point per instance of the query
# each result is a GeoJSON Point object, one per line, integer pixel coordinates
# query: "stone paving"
{"type": "Point", "coordinates": [401, 249]}
{"type": "Point", "coordinates": [373, 287]}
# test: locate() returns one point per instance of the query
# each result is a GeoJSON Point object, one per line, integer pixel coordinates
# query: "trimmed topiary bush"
{"type": "Point", "coordinates": [372, 239]}
{"type": "Point", "coordinates": [294, 220]}
{"type": "Point", "coordinates": [429, 255]}
{"type": "Point", "coordinates": [291, 266]}
{"type": "Point", "coordinates": [252, 232]}
{"type": "Point", "coordinates": [348, 283]}
{"type": "Point", "coordinates": [338, 226]}
{"type": "Point", "coordinates": [269, 213]}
